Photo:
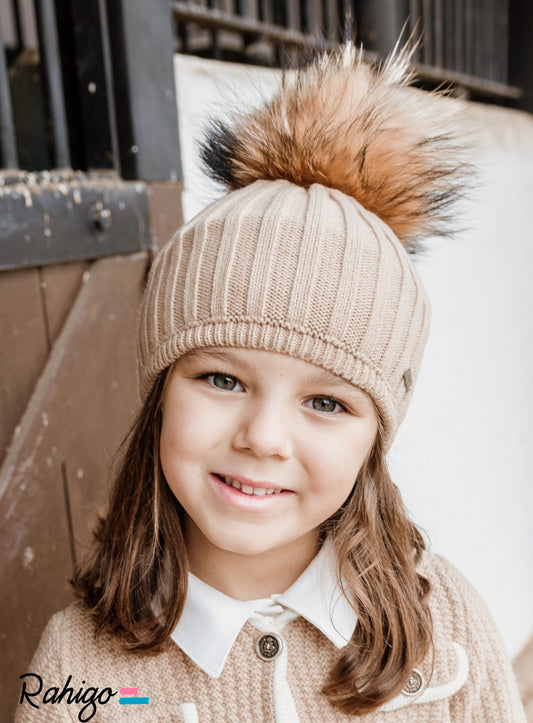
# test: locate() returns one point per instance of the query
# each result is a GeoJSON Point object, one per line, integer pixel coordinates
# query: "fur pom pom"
{"type": "Point", "coordinates": [355, 127]}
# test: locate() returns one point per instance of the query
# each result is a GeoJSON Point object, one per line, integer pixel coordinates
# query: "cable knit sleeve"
{"type": "Point", "coordinates": [490, 694]}
{"type": "Point", "coordinates": [47, 664]}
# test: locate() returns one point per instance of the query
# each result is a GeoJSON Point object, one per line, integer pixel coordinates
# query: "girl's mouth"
{"type": "Point", "coordinates": [248, 489]}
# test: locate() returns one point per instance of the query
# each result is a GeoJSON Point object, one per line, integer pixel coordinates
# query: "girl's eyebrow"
{"type": "Point", "coordinates": [323, 377]}
{"type": "Point", "coordinates": [208, 356]}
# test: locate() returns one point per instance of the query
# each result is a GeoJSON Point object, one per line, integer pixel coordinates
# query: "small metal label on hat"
{"type": "Point", "coordinates": [414, 684]}
{"type": "Point", "coordinates": [269, 646]}
{"type": "Point", "coordinates": [408, 379]}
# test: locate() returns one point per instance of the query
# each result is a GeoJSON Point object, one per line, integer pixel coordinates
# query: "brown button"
{"type": "Point", "coordinates": [414, 684]}
{"type": "Point", "coordinates": [269, 646]}
{"type": "Point", "coordinates": [408, 379]}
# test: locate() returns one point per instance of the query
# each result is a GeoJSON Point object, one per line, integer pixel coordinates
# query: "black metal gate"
{"type": "Point", "coordinates": [98, 97]}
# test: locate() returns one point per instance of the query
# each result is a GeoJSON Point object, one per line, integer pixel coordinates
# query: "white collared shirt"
{"type": "Point", "coordinates": [211, 621]}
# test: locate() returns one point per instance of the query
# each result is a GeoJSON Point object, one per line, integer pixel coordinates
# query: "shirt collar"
{"type": "Point", "coordinates": [211, 621]}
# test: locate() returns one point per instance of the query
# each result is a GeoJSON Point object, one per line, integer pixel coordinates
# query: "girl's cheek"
{"type": "Point", "coordinates": [178, 442]}
{"type": "Point", "coordinates": [191, 427]}
{"type": "Point", "coordinates": [341, 453]}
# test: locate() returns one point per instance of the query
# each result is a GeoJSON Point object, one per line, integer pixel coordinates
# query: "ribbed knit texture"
{"type": "Point", "coordinates": [244, 692]}
{"type": "Point", "coordinates": [304, 272]}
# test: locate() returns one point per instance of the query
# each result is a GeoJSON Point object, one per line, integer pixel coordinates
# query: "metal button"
{"type": "Point", "coordinates": [414, 684]}
{"type": "Point", "coordinates": [269, 646]}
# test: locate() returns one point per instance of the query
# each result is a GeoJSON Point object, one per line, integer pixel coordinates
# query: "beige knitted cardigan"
{"type": "Point", "coordinates": [472, 681]}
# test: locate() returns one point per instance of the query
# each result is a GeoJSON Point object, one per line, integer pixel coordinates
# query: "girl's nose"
{"type": "Point", "coordinates": [264, 432]}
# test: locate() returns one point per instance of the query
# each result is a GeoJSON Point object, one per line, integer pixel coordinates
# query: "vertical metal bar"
{"type": "Point", "coordinates": [477, 41]}
{"type": "Point", "coordinates": [427, 14]}
{"type": "Point", "coordinates": [144, 88]}
{"type": "Point", "coordinates": [278, 12]}
{"type": "Point", "coordinates": [258, 48]}
{"type": "Point", "coordinates": [93, 80]}
{"type": "Point", "coordinates": [449, 34]}
{"type": "Point", "coordinates": [318, 18]}
{"type": "Point", "coordinates": [438, 29]}
{"type": "Point", "coordinates": [313, 16]}
{"type": "Point", "coordinates": [304, 7]}
{"type": "Point", "coordinates": [459, 64]}
{"type": "Point", "coordinates": [347, 23]}
{"type": "Point", "coordinates": [491, 49]}
{"type": "Point", "coordinates": [18, 25]}
{"type": "Point", "coordinates": [414, 13]}
{"type": "Point", "coordinates": [181, 29]}
{"type": "Point", "coordinates": [381, 22]}
{"type": "Point", "coordinates": [469, 54]}
{"type": "Point", "coordinates": [416, 25]}
{"type": "Point", "coordinates": [49, 51]}
{"type": "Point", "coordinates": [250, 8]}
{"type": "Point", "coordinates": [521, 50]}
{"type": "Point", "coordinates": [8, 147]}
{"type": "Point", "coordinates": [266, 14]}
{"type": "Point", "coordinates": [271, 51]}
{"type": "Point", "coordinates": [331, 19]}
{"type": "Point", "coordinates": [215, 48]}
{"type": "Point", "coordinates": [293, 21]}
{"type": "Point", "coordinates": [292, 13]}
{"type": "Point", "coordinates": [503, 33]}
{"type": "Point", "coordinates": [497, 41]}
{"type": "Point", "coordinates": [478, 38]}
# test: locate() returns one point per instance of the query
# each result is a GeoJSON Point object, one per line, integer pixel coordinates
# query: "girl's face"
{"type": "Point", "coordinates": [260, 449]}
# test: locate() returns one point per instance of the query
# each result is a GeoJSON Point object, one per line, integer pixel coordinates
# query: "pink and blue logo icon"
{"type": "Point", "coordinates": [130, 696]}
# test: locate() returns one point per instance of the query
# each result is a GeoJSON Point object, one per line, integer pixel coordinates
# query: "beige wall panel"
{"type": "Point", "coordinates": [166, 214]}
{"type": "Point", "coordinates": [60, 284]}
{"type": "Point", "coordinates": [23, 346]}
{"type": "Point", "coordinates": [78, 414]}
{"type": "Point", "coordinates": [105, 355]}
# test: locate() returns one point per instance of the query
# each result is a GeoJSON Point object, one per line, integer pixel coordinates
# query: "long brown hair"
{"type": "Point", "coordinates": [378, 549]}
{"type": "Point", "coordinates": [134, 581]}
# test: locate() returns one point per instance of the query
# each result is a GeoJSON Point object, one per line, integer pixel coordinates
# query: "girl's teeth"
{"type": "Point", "coordinates": [249, 490]}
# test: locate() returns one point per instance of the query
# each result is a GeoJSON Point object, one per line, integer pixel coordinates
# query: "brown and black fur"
{"type": "Point", "coordinates": [355, 127]}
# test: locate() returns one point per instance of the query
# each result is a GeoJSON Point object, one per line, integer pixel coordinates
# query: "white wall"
{"type": "Point", "coordinates": [463, 456]}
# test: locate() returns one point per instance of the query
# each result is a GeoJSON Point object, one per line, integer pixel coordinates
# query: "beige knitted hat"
{"type": "Point", "coordinates": [289, 261]}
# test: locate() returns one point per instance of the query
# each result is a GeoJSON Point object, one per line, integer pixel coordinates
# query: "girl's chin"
{"type": "Point", "coordinates": [247, 547]}
{"type": "Point", "coordinates": [264, 543]}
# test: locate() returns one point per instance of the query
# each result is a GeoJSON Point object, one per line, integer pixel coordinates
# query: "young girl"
{"type": "Point", "coordinates": [256, 562]}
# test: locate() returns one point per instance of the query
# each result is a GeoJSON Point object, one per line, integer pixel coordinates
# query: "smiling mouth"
{"type": "Point", "coordinates": [248, 489]}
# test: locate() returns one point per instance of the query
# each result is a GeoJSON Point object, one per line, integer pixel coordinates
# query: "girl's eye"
{"type": "Point", "coordinates": [224, 381]}
{"type": "Point", "coordinates": [326, 404]}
